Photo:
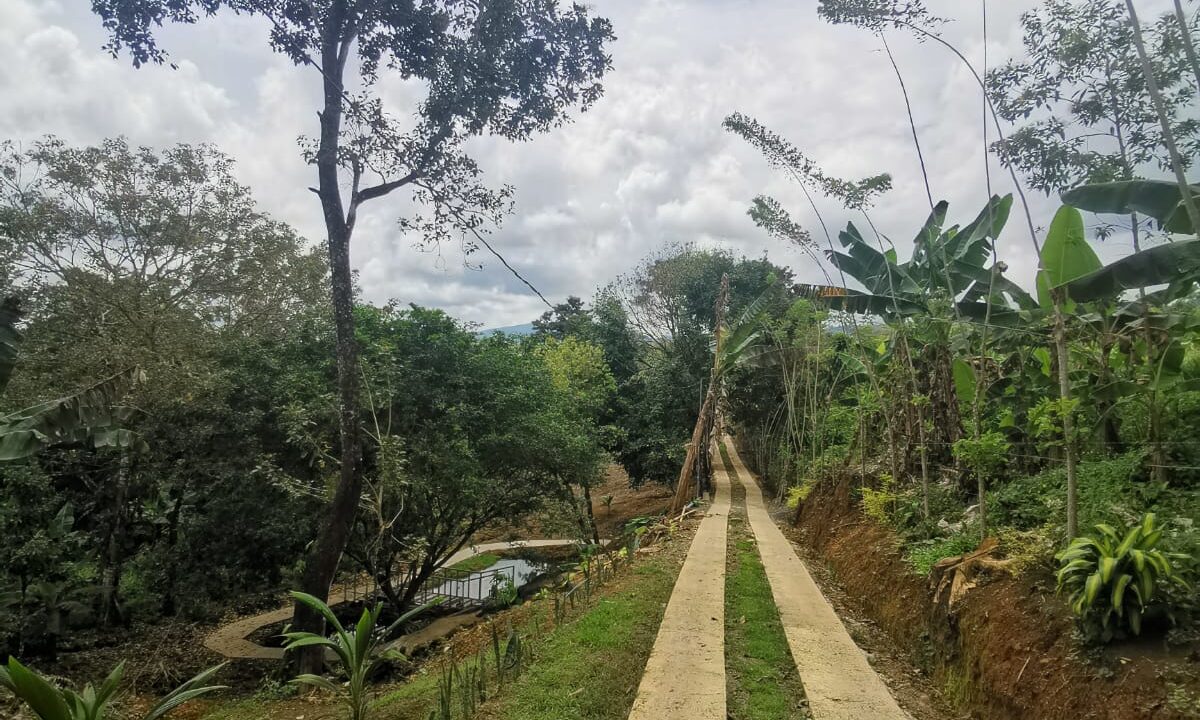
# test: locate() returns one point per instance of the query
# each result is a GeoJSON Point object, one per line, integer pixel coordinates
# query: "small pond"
{"type": "Point", "coordinates": [478, 585]}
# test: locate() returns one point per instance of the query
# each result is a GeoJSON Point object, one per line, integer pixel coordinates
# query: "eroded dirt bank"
{"type": "Point", "coordinates": [1005, 651]}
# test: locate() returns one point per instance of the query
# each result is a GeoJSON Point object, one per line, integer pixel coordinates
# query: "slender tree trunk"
{"type": "Point", "coordinates": [169, 605]}
{"type": "Point", "coordinates": [1164, 119]}
{"type": "Point", "coordinates": [981, 486]}
{"type": "Point", "coordinates": [924, 463]}
{"type": "Point", "coordinates": [1110, 432]}
{"type": "Point", "coordinates": [1068, 418]}
{"type": "Point", "coordinates": [1188, 47]}
{"type": "Point", "coordinates": [111, 571]}
{"type": "Point", "coordinates": [684, 488]}
{"type": "Point", "coordinates": [591, 513]}
{"type": "Point", "coordinates": [1158, 450]}
{"type": "Point", "coordinates": [334, 530]}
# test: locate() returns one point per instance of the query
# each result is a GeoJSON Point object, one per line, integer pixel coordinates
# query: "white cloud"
{"type": "Point", "coordinates": [648, 165]}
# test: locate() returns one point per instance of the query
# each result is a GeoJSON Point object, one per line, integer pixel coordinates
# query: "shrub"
{"type": "Point", "coordinates": [1107, 493]}
{"type": "Point", "coordinates": [1112, 580]}
{"type": "Point", "coordinates": [504, 592]}
{"type": "Point", "coordinates": [924, 554]}
{"type": "Point", "coordinates": [945, 503]}
{"type": "Point", "coordinates": [799, 493]}
{"type": "Point", "coordinates": [1028, 549]}
{"type": "Point", "coordinates": [983, 456]}
{"type": "Point", "coordinates": [880, 504]}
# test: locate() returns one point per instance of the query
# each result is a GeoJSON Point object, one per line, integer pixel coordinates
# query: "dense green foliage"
{"type": "Point", "coordinates": [217, 309]}
{"type": "Point", "coordinates": [965, 405]}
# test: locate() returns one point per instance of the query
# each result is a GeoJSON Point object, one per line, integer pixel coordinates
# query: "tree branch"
{"type": "Point", "coordinates": [377, 191]}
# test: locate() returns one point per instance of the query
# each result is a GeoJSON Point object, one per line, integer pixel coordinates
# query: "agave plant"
{"type": "Point", "coordinates": [360, 651]}
{"type": "Point", "coordinates": [92, 703]}
{"type": "Point", "coordinates": [1112, 580]}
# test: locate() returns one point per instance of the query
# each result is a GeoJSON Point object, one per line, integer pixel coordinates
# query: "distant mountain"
{"type": "Point", "coordinates": [525, 329]}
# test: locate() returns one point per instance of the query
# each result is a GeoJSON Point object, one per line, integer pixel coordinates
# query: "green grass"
{"type": "Point", "coordinates": [482, 561]}
{"type": "Point", "coordinates": [760, 674]}
{"type": "Point", "coordinates": [586, 669]}
{"type": "Point", "coordinates": [589, 669]}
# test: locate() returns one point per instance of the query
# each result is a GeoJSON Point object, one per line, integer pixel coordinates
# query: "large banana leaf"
{"type": "Point", "coordinates": [972, 246]}
{"type": "Point", "coordinates": [1159, 199]}
{"type": "Point", "coordinates": [1170, 263]}
{"type": "Point", "coordinates": [10, 338]}
{"type": "Point", "coordinates": [1066, 254]}
{"type": "Point", "coordinates": [92, 416]}
{"type": "Point", "coordinates": [878, 272]}
{"type": "Point", "coordinates": [927, 238]}
{"type": "Point", "coordinates": [995, 315]}
{"type": "Point", "coordinates": [744, 334]}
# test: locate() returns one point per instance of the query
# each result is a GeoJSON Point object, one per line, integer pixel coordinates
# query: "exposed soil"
{"type": "Point", "coordinates": [1007, 650]}
{"type": "Point", "coordinates": [626, 503]}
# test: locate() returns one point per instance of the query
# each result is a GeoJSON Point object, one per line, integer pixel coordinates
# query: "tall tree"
{"type": "Point", "coordinates": [142, 260]}
{"type": "Point", "coordinates": [1080, 96]}
{"type": "Point", "coordinates": [510, 69]}
{"type": "Point", "coordinates": [585, 382]}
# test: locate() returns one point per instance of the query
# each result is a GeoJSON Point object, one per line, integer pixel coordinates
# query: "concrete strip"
{"type": "Point", "coordinates": [838, 680]}
{"type": "Point", "coordinates": [230, 640]}
{"type": "Point", "coordinates": [685, 674]}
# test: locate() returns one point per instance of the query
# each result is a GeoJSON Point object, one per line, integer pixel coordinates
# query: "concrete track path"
{"type": "Point", "coordinates": [838, 680]}
{"type": "Point", "coordinates": [685, 674]}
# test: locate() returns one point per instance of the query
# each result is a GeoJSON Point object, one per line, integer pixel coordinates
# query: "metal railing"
{"type": "Point", "coordinates": [463, 589]}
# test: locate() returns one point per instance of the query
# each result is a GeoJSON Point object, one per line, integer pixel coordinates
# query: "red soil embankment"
{"type": "Point", "coordinates": [1006, 650]}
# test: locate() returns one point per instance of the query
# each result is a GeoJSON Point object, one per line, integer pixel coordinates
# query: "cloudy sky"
{"type": "Point", "coordinates": [649, 165]}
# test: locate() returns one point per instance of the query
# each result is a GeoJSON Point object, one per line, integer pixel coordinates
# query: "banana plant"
{"type": "Point", "coordinates": [946, 263]}
{"type": "Point", "coordinates": [360, 651]}
{"type": "Point", "coordinates": [742, 340]}
{"type": "Point", "coordinates": [47, 702]}
{"type": "Point", "coordinates": [92, 416]}
{"type": "Point", "coordinates": [948, 278]}
{"type": "Point", "coordinates": [1175, 265]}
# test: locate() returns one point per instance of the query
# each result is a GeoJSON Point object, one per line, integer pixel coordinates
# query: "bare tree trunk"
{"type": "Point", "coordinates": [169, 603]}
{"type": "Point", "coordinates": [334, 532]}
{"type": "Point", "coordinates": [110, 573]}
{"type": "Point", "coordinates": [683, 488]}
{"type": "Point", "coordinates": [591, 513]}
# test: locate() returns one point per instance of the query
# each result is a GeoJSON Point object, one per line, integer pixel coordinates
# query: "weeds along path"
{"type": "Point", "coordinates": [231, 640]}
{"type": "Point", "coordinates": [685, 674]}
{"type": "Point", "coordinates": [838, 680]}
